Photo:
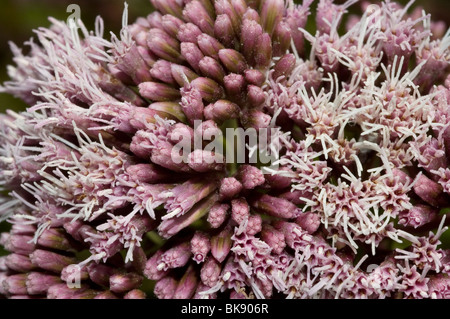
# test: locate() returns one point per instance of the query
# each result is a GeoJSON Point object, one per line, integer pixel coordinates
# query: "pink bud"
{"type": "Point", "coordinates": [280, 180]}
{"type": "Point", "coordinates": [250, 176]}
{"type": "Point", "coordinates": [158, 91]}
{"type": "Point", "coordinates": [223, 30]}
{"type": "Point", "coordinates": [310, 222]}
{"type": "Point", "coordinates": [218, 214]}
{"type": "Point", "coordinates": [192, 54]}
{"type": "Point", "coordinates": [233, 61]}
{"type": "Point", "coordinates": [200, 246]}
{"type": "Point", "coordinates": [255, 118]}
{"type": "Point", "coordinates": [281, 39]}
{"type": "Point", "coordinates": [284, 66]}
{"type": "Point", "coordinates": [211, 68]}
{"type": "Point", "coordinates": [135, 294]}
{"type": "Point", "coordinates": [189, 32]}
{"type": "Point", "coordinates": [255, 77]}
{"type": "Point", "coordinates": [256, 96]}
{"type": "Point", "coordinates": [221, 111]}
{"type": "Point", "coordinates": [54, 238]}
{"type": "Point", "coordinates": [19, 263]}
{"type": "Point", "coordinates": [234, 86]}
{"type": "Point", "coordinates": [171, 25]}
{"type": "Point", "coordinates": [17, 244]}
{"type": "Point", "coordinates": [151, 268]}
{"type": "Point", "coordinates": [100, 273]}
{"type": "Point", "coordinates": [230, 187]}
{"type": "Point", "coordinates": [271, 13]}
{"type": "Point", "coordinates": [164, 46]}
{"type": "Point", "coordinates": [192, 103]}
{"type": "Point", "coordinates": [165, 288]}
{"type": "Point", "coordinates": [162, 71]}
{"type": "Point", "coordinates": [250, 33]}
{"type": "Point", "coordinates": [274, 238]}
{"type": "Point", "coordinates": [225, 7]}
{"type": "Point", "coordinates": [175, 257]}
{"type": "Point", "coordinates": [16, 284]}
{"type": "Point", "coordinates": [221, 244]}
{"type": "Point", "coordinates": [418, 216]}
{"type": "Point", "coordinates": [277, 207]}
{"type": "Point", "coordinates": [209, 46]}
{"type": "Point", "coordinates": [254, 225]}
{"type": "Point", "coordinates": [50, 261]}
{"type": "Point", "coordinates": [196, 13]}
{"type": "Point", "coordinates": [120, 283]}
{"type": "Point", "coordinates": [187, 285]}
{"type": "Point", "coordinates": [39, 283]}
{"type": "Point", "coordinates": [147, 173]}
{"type": "Point", "coordinates": [428, 190]}
{"type": "Point", "coordinates": [240, 211]}
{"type": "Point", "coordinates": [209, 89]}
{"type": "Point", "coordinates": [263, 51]}
{"type": "Point", "coordinates": [210, 272]}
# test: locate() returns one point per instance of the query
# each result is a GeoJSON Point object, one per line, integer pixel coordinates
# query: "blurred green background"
{"type": "Point", "coordinates": [19, 17]}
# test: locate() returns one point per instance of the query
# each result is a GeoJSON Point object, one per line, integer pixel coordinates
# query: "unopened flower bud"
{"type": "Point", "coordinates": [162, 71]}
{"type": "Point", "coordinates": [192, 54]}
{"type": "Point", "coordinates": [189, 32]}
{"type": "Point", "coordinates": [223, 30]}
{"type": "Point", "coordinates": [210, 272]}
{"type": "Point", "coordinates": [172, 7]}
{"type": "Point", "coordinates": [254, 224]}
{"type": "Point", "coordinates": [209, 89]}
{"type": "Point", "coordinates": [256, 96]}
{"type": "Point", "coordinates": [221, 244]}
{"type": "Point", "coordinates": [274, 238]}
{"type": "Point", "coordinates": [230, 187]}
{"type": "Point", "coordinates": [135, 294]}
{"type": "Point", "coordinates": [211, 68]}
{"type": "Point", "coordinates": [164, 46]}
{"type": "Point", "coordinates": [200, 246]}
{"type": "Point", "coordinates": [255, 118]}
{"type": "Point", "coordinates": [271, 14]}
{"type": "Point", "coordinates": [217, 215]}
{"type": "Point", "coordinates": [428, 190]}
{"type": "Point", "coordinates": [175, 257]}
{"type": "Point", "coordinates": [255, 77]}
{"type": "Point", "coordinates": [16, 284]}
{"type": "Point", "coordinates": [165, 288]}
{"type": "Point", "coordinates": [50, 261]}
{"type": "Point", "coordinates": [196, 13]}
{"type": "Point", "coordinates": [187, 285]}
{"type": "Point", "coordinates": [250, 176]}
{"type": "Point", "coordinates": [38, 283]}
{"type": "Point", "coordinates": [276, 207]}
{"type": "Point", "coordinates": [240, 211]}
{"type": "Point", "coordinates": [158, 91]}
{"type": "Point", "coordinates": [120, 283]}
{"type": "Point", "coordinates": [151, 269]}
{"type": "Point", "coordinates": [418, 215]}
{"type": "Point", "coordinates": [19, 263]}
{"type": "Point", "coordinates": [233, 61]}
{"type": "Point", "coordinates": [221, 111]}
{"type": "Point", "coordinates": [171, 25]}
{"type": "Point", "coordinates": [309, 221]}
{"type": "Point", "coordinates": [54, 238]}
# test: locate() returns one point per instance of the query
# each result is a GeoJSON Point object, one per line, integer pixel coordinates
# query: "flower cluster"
{"type": "Point", "coordinates": [103, 205]}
